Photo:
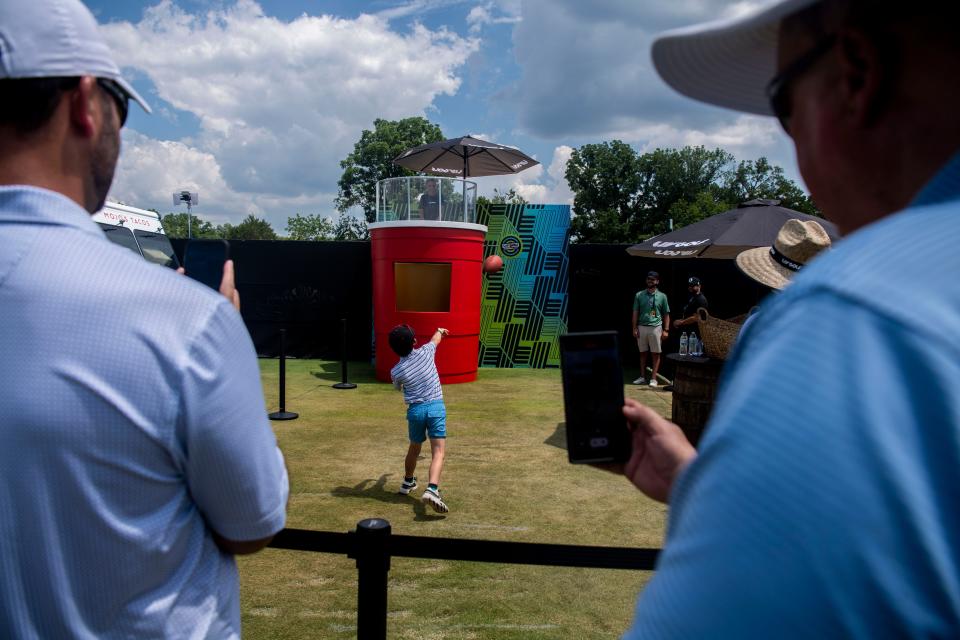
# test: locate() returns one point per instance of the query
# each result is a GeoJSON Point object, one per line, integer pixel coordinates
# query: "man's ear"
{"type": "Point", "coordinates": [864, 76]}
{"type": "Point", "coordinates": [86, 109]}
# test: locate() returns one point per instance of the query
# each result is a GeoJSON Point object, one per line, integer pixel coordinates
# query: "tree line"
{"type": "Point", "coordinates": [624, 196]}
{"type": "Point", "coordinates": [620, 195]}
{"type": "Point", "coordinates": [299, 227]}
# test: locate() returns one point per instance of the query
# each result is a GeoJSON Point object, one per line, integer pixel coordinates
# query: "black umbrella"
{"type": "Point", "coordinates": [465, 157]}
{"type": "Point", "coordinates": [751, 224]}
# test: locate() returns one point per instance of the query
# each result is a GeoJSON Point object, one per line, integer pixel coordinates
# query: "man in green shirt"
{"type": "Point", "coordinates": [651, 320]}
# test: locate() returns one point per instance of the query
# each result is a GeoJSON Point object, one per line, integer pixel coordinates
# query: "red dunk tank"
{"type": "Point", "coordinates": [427, 273]}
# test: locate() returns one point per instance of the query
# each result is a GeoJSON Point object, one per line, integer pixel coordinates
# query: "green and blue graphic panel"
{"type": "Point", "coordinates": [524, 306]}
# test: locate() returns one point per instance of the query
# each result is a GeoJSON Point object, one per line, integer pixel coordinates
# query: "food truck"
{"type": "Point", "coordinates": [138, 230]}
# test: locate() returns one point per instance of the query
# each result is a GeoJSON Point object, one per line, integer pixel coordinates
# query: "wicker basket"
{"type": "Point", "coordinates": [718, 335]}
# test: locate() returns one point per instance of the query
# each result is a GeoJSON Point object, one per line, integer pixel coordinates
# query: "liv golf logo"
{"type": "Point", "coordinates": [511, 246]}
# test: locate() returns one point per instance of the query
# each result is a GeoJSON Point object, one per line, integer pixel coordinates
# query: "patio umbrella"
{"type": "Point", "coordinates": [465, 157]}
{"type": "Point", "coordinates": [751, 224]}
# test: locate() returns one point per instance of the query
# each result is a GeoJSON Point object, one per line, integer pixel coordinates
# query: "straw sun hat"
{"type": "Point", "coordinates": [797, 243]}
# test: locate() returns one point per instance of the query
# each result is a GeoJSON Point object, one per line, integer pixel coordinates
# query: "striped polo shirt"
{"type": "Point", "coordinates": [416, 374]}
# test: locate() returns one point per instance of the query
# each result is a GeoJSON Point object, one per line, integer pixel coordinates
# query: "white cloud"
{"type": "Point", "coordinates": [150, 171]}
{"type": "Point", "coordinates": [742, 132]}
{"type": "Point", "coordinates": [586, 75]}
{"type": "Point", "coordinates": [537, 185]}
{"type": "Point", "coordinates": [413, 8]}
{"type": "Point", "coordinates": [280, 103]}
{"type": "Point", "coordinates": [486, 14]}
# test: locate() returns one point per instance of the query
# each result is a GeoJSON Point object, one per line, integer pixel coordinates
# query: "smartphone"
{"type": "Point", "coordinates": [593, 398]}
{"type": "Point", "coordinates": [203, 261]}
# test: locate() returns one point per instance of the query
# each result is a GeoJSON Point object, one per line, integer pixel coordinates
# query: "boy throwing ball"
{"type": "Point", "coordinates": [416, 375]}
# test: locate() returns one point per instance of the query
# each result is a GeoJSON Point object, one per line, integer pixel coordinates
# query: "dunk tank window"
{"type": "Point", "coordinates": [422, 286]}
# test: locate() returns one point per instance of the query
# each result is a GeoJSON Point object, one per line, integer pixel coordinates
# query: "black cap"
{"type": "Point", "coordinates": [653, 274]}
{"type": "Point", "coordinates": [693, 281]}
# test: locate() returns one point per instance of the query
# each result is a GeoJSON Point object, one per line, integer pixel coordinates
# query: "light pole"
{"type": "Point", "coordinates": [191, 198]}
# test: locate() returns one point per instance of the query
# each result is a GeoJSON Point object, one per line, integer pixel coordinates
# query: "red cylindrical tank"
{"type": "Point", "coordinates": [428, 275]}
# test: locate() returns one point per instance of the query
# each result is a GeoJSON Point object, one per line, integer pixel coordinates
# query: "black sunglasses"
{"type": "Point", "coordinates": [119, 96]}
{"type": "Point", "coordinates": [778, 90]}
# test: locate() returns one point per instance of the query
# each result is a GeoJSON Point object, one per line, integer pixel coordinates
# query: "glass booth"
{"type": "Point", "coordinates": [426, 198]}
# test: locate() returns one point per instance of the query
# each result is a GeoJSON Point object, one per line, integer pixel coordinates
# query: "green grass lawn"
{"type": "Point", "coordinates": [506, 477]}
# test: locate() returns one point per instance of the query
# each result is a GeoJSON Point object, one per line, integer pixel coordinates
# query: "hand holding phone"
{"type": "Point", "coordinates": [593, 398]}
{"type": "Point", "coordinates": [208, 261]}
{"type": "Point", "coordinates": [203, 261]}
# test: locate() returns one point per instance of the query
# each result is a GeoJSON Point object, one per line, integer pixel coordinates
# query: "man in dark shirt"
{"type": "Point", "coordinates": [697, 300]}
{"type": "Point", "coordinates": [430, 202]}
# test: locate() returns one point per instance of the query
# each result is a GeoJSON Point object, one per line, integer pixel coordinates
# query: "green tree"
{"type": "Point", "coordinates": [762, 180]}
{"type": "Point", "coordinates": [668, 176]}
{"type": "Point", "coordinates": [372, 160]}
{"type": "Point", "coordinates": [175, 226]}
{"type": "Point", "coordinates": [510, 196]}
{"type": "Point", "coordinates": [620, 196]}
{"type": "Point", "coordinates": [311, 227]}
{"type": "Point", "coordinates": [604, 178]}
{"type": "Point", "coordinates": [348, 227]}
{"type": "Point", "coordinates": [704, 205]}
{"type": "Point", "coordinates": [252, 228]}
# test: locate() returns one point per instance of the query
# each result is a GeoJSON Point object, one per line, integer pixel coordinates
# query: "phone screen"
{"type": "Point", "coordinates": [593, 398]}
{"type": "Point", "coordinates": [203, 261]}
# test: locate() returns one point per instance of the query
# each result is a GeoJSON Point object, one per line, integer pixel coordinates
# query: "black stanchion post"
{"type": "Point", "coordinates": [283, 414]}
{"type": "Point", "coordinates": [373, 563]}
{"type": "Point", "coordinates": [343, 384]}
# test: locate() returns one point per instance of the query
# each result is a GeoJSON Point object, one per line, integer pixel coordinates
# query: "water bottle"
{"type": "Point", "coordinates": [693, 348]}
{"type": "Point", "coordinates": [683, 343]}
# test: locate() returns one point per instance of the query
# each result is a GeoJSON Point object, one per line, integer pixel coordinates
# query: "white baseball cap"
{"type": "Point", "coordinates": [727, 63]}
{"type": "Point", "coordinates": [55, 38]}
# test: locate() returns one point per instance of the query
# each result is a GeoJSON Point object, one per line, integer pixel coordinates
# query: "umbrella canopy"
{"type": "Point", "coordinates": [752, 224]}
{"type": "Point", "coordinates": [465, 157]}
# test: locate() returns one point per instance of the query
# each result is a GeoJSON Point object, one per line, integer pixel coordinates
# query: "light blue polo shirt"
{"type": "Point", "coordinates": [825, 500]}
{"type": "Point", "coordinates": [132, 422]}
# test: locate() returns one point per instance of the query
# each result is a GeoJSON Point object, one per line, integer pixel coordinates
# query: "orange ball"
{"type": "Point", "coordinates": [492, 264]}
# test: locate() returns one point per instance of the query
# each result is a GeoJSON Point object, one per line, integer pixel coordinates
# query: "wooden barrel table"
{"type": "Point", "coordinates": [694, 390]}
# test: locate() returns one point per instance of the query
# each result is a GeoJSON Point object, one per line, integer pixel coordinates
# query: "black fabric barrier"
{"type": "Point", "coordinates": [308, 287]}
{"type": "Point", "coordinates": [305, 287]}
{"type": "Point", "coordinates": [604, 279]}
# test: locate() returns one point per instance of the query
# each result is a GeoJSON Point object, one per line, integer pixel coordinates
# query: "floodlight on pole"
{"type": "Point", "coordinates": [191, 198]}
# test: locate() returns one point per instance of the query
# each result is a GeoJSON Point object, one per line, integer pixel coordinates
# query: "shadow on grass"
{"type": "Point", "coordinates": [355, 373]}
{"type": "Point", "coordinates": [558, 438]}
{"type": "Point", "coordinates": [377, 490]}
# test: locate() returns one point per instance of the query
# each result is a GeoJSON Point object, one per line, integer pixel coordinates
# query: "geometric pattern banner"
{"type": "Point", "coordinates": [524, 305]}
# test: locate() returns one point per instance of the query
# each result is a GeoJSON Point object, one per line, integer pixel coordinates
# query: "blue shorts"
{"type": "Point", "coordinates": [427, 419]}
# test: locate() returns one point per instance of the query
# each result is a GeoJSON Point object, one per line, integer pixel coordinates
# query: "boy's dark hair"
{"type": "Point", "coordinates": [401, 339]}
{"type": "Point", "coordinates": [26, 104]}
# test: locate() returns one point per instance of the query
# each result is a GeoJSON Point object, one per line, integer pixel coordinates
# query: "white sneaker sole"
{"type": "Point", "coordinates": [435, 503]}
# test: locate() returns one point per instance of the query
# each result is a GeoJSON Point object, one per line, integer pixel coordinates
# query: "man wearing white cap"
{"type": "Point", "coordinates": [823, 500]}
{"type": "Point", "coordinates": [135, 453]}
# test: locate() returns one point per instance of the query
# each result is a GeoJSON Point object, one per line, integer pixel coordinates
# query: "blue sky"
{"type": "Point", "coordinates": [255, 103]}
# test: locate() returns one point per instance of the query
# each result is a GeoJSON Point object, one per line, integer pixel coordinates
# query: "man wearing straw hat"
{"type": "Point", "coordinates": [797, 243]}
{"type": "Point", "coordinates": [823, 500]}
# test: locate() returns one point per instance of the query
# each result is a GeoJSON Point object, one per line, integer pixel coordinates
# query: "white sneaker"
{"type": "Point", "coordinates": [640, 381]}
{"type": "Point", "coordinates": [653, 382]}
{"type": "Point", "coordinates": [407, 487]}
{"type": "Point", "coordinates": [432, 498]}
